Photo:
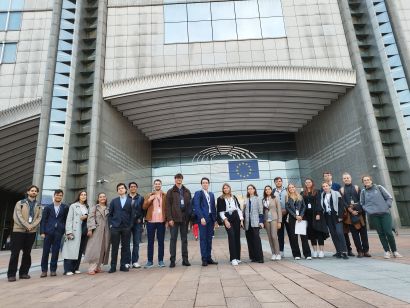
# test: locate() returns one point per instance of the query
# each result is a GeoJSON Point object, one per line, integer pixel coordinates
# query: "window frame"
{"type": "Point", "coordinates": [3, 48]}
{"type": "Point", "coordinates": [10, 10]}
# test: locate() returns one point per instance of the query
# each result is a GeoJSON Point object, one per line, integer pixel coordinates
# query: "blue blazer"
{"type": "Point", "coordinates": [50, 223]}
{"type": "Point", "coordinates": [120, 217]}
{"type": "Point", "coordinates": [201, 207]}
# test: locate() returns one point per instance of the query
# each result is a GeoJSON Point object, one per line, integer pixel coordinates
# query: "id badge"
{"type": "Point", "coordinates": [30, 220]}
{"type": "Point", "coordinates": [182, 202]}
{"type": "Point", "coordinates": [159, 211]}
{"type": "Point", "coordinates": [309, 206]}
{"type": "Point", "coordinates": [297, 212]}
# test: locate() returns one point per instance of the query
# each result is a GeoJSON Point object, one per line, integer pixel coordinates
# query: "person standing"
{"type": "Point", "coordinates": [27, 216]}
{"type": "Point", "coordinates": [317, 230]}
{"type": "Point", "coordinates": [156, 207]}
{"type": "Point", "coordinates": [377, 201]}
{"type": "Point", "coordinates": [229, 210]}
{"type": "Point", "coordinates": [75, 234]}
{"type": "Point", "coordinates": [280, 192]}
{"type": "Point", "coordinates": [136, 201]}
{"type": "Point", "coordinates": [333, 207]}
{"type": "Point", "coordinates": [178, 216]}
{"type": "Point", "coordinates": [355, 217]}
{"type": "Point", "coordinates": [120, 220]}
{"type": "Point", "coordinates": [272, 220]}
{"type": "Point", "coordinates": [52, 228]}
{"type": "Point", "coordinates": [204, 205]}
{"type": "Point", "coordinates": [253, 214]}
{"type": "Point", "coordinates": [98, 245]}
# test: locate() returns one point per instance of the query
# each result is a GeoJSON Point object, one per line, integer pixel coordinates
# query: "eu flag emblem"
{"type": "Point", "coordinates": [243, 169]}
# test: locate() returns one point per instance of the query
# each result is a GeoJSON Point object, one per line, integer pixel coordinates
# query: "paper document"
{"type": "Point", "coordinates": [300, 227]}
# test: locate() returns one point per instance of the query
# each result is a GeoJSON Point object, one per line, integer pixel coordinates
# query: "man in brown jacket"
{"type": "Point", "coordinates": [27, 217]}
{"type": "Point", "coordinates": [178, 215]}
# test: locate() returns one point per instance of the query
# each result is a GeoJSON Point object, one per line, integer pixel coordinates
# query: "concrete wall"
{"type": "Point", "coordinates": [24, 80]}
{"type": "Point", "coordinates": [135, 41]}
{"type": "Point", "coordinates": [124, 153]}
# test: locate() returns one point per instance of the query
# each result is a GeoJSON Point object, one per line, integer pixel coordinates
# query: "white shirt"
{"type": "Point", "coordinates": [327, 202]}
{"type": "Point", "coordinates": [231, 206]}
{"type": "Point", "coordinates": [208, 199]}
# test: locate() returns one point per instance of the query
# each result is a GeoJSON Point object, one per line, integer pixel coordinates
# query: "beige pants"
{"type": "Point", "coordinates": [272, 231]}
{"type": "Point", "coordinates": [93, 267]}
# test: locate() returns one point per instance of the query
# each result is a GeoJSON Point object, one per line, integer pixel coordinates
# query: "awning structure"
{"type": "Point", "coordinates": [18, 145]}
{"type": "Point", "coordinates": [250, 98]}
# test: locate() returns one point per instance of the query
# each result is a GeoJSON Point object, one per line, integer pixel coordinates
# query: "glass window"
{"type": "Point", "coordinates": [176, 32]}
{"type": "Point", "coordinates": [62, 68]}
{"type": "Point", "coordinates": [66, 14]}
{"type": "Point", "coordinates": [61, 79]}
{"type": "Point", "coordinates": [388, 39]}
{"type": "Point", "coordinates": [14, 21]}
{"type": "Point", "coordinates": [391, 50]}
{"type": "Point", "coordinates": [55, 141]}
{"type": "Point", "coordinates": [405, 109]}
{"type": "Point", "coordinates": [394, 61]}
{"type": "Point", "coordinates": [199, 31]}
{"type": "Point", "coordinates": [4, 5]}
{"type": "Point", "coordinates": [59, 103]}
{"type": "Point", "coordinates": [9, 53]}
{"type": "Point", "coordinates": [60, 91]}
{"type": "Point", "coordinates": [385, 28]}
{"type": "Point", "coordinates": [17, 5]}
{"type": "Point", "coordinates": [268, 8]}
{"type": "Point", "coordinates": [248, 28]}
{"type": "Point", "coordinates": [57, 115]}
{"type": "Point", "coordinates": [199, 11]}
{"type": "Point", "coordinates": [3, 21]}
{"type": "Point", "coordinates": [246, 9]}
{"type": "Point", "coordinates": [381, 7]}
{"type": "Point", "coordinates": [63, 56]}
{"type": "Point", "coordinates": [383, 17]}
{"type": "Point", "coordinates": [175, 13]}
{"type": "Point", "coordinates": [56, 128]}
{"type": "Point", "coordinates": [52, 168]}
{"type": "Point", "coordinates": [51, 182]}
{"type": "Point", "coordinates": [401, 84]}
{"type": "Point", "coordinates": [63, 45]}
{"type": "Point", "coordinates": [404, 96]}
{"type": "Point", "coordinates": [223, 10]}
{"type": "Point", "coordinates": [68, 4]}
{"type": "Point", "coordinates": [66, 25]}
{"type": "Point", "coordinates": [397, 72]}
{"type": "Point", "coordinates": [273, 27]}
{"type": "Point", "coordinates": [224, 30]}
{"type": "Point", "coordinates": [65, 35]}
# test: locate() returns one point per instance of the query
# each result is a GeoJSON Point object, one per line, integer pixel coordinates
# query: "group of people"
{"type": "Point", "coordinates": [90, 229]}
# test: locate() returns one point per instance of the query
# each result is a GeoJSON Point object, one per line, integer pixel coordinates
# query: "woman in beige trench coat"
{"type": "Point", "coordinates": [98, 245]}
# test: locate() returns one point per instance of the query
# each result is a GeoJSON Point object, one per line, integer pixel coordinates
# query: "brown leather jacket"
{"type": "Point", "coordinates": [148, 206]}
{"type": "Point", "coordinates": [173, 205]}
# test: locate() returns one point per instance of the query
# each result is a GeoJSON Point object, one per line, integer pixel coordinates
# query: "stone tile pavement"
{"type": "Point", "coordinates": [286, 283]}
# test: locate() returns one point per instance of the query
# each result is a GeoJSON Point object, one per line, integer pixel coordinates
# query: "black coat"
{"type": "Point", "coordinates": [310, 214]}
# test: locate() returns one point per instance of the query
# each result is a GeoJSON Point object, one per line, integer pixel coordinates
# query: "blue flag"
{"type": "Point", "coordinates": [243, 169]}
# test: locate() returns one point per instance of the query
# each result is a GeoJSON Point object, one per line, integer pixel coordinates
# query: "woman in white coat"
{"type": "Point", "coordinates": [75, 239]}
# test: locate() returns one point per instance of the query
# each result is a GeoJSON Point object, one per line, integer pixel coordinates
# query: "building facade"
{"type": "Point", "coordinates": [95, 92]}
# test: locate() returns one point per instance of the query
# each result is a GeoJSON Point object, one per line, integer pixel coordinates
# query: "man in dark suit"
{"type": "Point", "coordinates": [52, 228]}
{"type": "Point", "coordinates": [120, 220]}
{"type": "Point", "coordinates": [205, 211]}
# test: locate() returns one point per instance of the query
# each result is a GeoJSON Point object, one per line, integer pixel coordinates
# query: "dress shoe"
{"type": "Point", "coordinates": [210, 261]}
{"type": "Point", "coordinates": [172, 264]}
{"type": "Point", "coordinates": [53, 274]}
{"type": "Point", "coordinates": [24, 276]}
{"type": "Point", "coordinates": [43, 275]}
{"type": "Point", "coordinates": [204, 263]}
{"type": "Point", "coordinates": [360, 255]}
{"type": "Point", "coordinates": [186, 263]}
{"type": "Point", "coordinates": [344, 256]}
{"type": "Point", "coordinates": [12, 279]}
{"type": "Point", "coordinates": [124, 269]}
{"type": "Point", "coordinates": [112, 270]}
{"type": "Point", "coordinates": [338, 255]}
{"type": "Point", "coordinates": [350, 254]}
{"type": "Point", "coordinates": [260, 261]}
{"type": "Point", "coordinates": [367, 255]}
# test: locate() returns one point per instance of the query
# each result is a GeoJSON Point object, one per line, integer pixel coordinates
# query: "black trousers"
{"type": "Point", "coordinates": [122, 235]}
{"type": "Point", "coordinates": [234, 236]}
{"type": "Point", "coordinates": [347, 240]}
{"type": "Point", "coordinates": [83, 245]}
{"type": "Point", "coordinates": [360, 238]}
{"type": "Point", "coordinates": [281, 232]}
{"type": "Point", "coordinates": [183, 228]}
{"type": "Point", "coordinates": [294, 241]}
{"type": "Point", "coordinates": [317, 238]}
{"type": "Point", "coordinates": [254, 244]}
{"type": "Point", "coordinates": [20, 241]}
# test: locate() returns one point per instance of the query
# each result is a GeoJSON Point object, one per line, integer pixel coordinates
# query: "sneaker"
{"type": "Point", "coordinates": [134, 265]}
{"type": "Point", "coordinates": [273, 257]}
{"type": "Point", "coordinates": [278, 257]}
{"type": "Point", "coordinates": [77, 272]}
{"type": "Point", "coordinates": [387, 255]}
{"type": "Point", "coordinates": [309, 258]}
{"type": "Point", "coordinates": [147, 265]}
{"type": "Point", "coordinates": [397, 255]}
{"type": "Point", "coordinates": [239, 261]}
{"type": "Point", "coordinates": [234, 262]}
{"type": "Point", "coordinates": [127, 266]}
{"type": "Point", "coordinates": [314, 254]}
{"type": "Point", "coordinates": [161, 264]}
{"type": "Point", "coordinates": [321, 254]}
{"type": "Point", "coordinates": [12, 279]}
{"type": "Point", "coordinates": [43, 274]}
{"type": "Point", "coordinates": [282, 254]}
{"type": "Point", "coordinates": [297, 258]}
{"type": "Point", "coordinates": [69, 273]}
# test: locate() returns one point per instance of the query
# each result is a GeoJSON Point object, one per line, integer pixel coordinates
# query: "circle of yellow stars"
{"type": "Point", "coordinates": [241, 172]}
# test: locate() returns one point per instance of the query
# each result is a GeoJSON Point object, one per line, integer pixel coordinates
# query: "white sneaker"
{"type": "Point", "coordinates": [321, 254]}
{"type": "Point", "coordinates": [127, 266]}
{"type": "Point", "coordinates": [273, 257]}
{"type": "Point", "coordinates": [397, 255]}
{"type": "Point", "coordinates": [387, 255]}
{"type": "Point", "coordinates": [282, 254]}
{"type": "Point", "coordinates": [69, 274]}
{"type": "Point", "coordinates": [239, 261]}
{"type": "Point", "coordinates": [309, 258]}
{"type": "Point", "coordinates": [278, 257]}
{"type": "Point", "coordinates": [77, 272]}
{"type": "Point", "coordinates": [134, 265]}
{"type": "Point", "coordinates": [314, 254]}
{"type": "Point", "coordinates": [297, 258]}
{"type": "Point", "coordinates": [234, 262]}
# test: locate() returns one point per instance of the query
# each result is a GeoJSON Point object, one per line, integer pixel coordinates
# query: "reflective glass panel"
{"type": "Point", "coordinates": [56, 128]}
{"type": "Point", "coordinates": [4, 5]}
{"type": "Point", "coordinates": [66, 25]}
{"type": "Point", "coordinates": [246, 9]}
{"type": "Point", "coordinates": [60, 91]}
{"type": "Point", "coordinates": [63, 45]}
{"type": "Point", "coordinates": [62, 68]}
{"type": "Point", "coordinates": [3, 20]}
{"type": "Point", "coordinates": [199, 31]}
{"type": "Point", "coordinates": [55, 141]}
{"type": "Point", "coordinates": [391, 50]}
{"type": "Point", "coordinates": [47, 196]}
{"type": "Point", "coordinates": [51, 182]}
{"type": "Point", "coordinates": [381, 7]}
{"type": "Point", "coordinates": [394, 61]}
{"type": "Point", "coordinates": [66, 14]}
{"type": "Point", "coordinates": [17, 5]}
{"type": "Point", "coordinates": [405, 109]}
{"type": "Point", "coordinates": [385, 28]}
{"type": "Point", "coordinates": [248, 28]}
{"type": "Point", "coordinates": [224, 30]}
{"type": "Point", "coordinates": [57, 115]}
{"type": "Point", "coordinates": [59, 103]}
{"type": "Point", "coordinates": [199, 11]}
{"type": "Point", "coordinates": [407, 121]}
{"type": "Point", "coordinates": [9, 53]}
{"type": "Point", "coordinates": [404, 96]}
{"type": "Point", "coordinates": [401, 84]}
{"type": "Point", "coordinates": [397, 72]}
{"type": "Point", "coordinates": [383, 17]}
{"type": "Point", "coordinates": [268, 8]}
{"type": "Point", "coordinates": [223, 10]}
{"type": "Point", "coordinates": [68, 4]}
{"type": "Point", "coordinates": [61, 79]}
{"type": "Point", "coordinates": [63, 56]}
{"type": "Point", "coordinates": [175, 13]}
{"type": "Point", "coordinates": [388, 39]}
{"type": "Point", "coordinates": [273, 27]}
{"type": "Point", "coordinates": [52, 168]}
{"type": "Point", "coordinates": [176, 32]}
{"type": "Point", "coordinates": [65, 35]}
{"type": "Point", "coordinates": [14, 21]}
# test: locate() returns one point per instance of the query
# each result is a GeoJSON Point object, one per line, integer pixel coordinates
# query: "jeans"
{"type": "Point", "coordinates": [136, 239]}
{"type": "Point", "coordinates": [20, 241]}
{"type": "Point", "coordinates": [383, 225]}
{"type": "Point", "coordinates": [159, 228]}
{"type": "Point", "coordinates": [52, 242]}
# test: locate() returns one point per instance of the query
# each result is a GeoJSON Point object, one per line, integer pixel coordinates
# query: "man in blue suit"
{"type": "Point", "coordinates": [52, 228]}
{"type": "Point", "coordinates": [205, 211]}
{"type": "Point", "coordinates": [120, 220]}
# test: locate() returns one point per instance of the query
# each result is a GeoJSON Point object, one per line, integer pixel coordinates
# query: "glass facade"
{"type": "Point", "coordinates": [210, 155]}
{"type": "Point", "coordinates": [223, 20]}
{"type": "Point", "coordinates": [10, 14]}
{"type": "Point", "coordinates": [8, 52]}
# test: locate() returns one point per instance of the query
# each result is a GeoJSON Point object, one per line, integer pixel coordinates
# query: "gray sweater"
{"type": "Point", "coordinates": [375, 200]}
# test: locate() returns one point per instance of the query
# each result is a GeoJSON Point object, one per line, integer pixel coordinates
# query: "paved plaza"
{"type": "Point", "coordinates": [368, 282]}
